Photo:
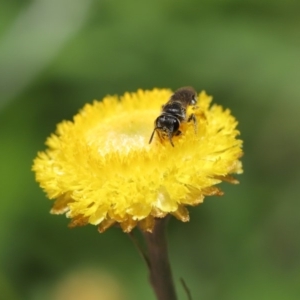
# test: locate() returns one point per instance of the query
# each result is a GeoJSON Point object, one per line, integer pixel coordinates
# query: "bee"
{"type": "Point", "coordinates": [173, 113]}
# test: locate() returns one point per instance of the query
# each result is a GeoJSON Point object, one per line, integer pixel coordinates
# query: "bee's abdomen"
{"type": "Point", "coordinates": [175, 109]}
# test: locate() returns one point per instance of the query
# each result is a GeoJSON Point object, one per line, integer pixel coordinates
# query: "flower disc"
{"type": "Point", "coordinates": [101, 169]}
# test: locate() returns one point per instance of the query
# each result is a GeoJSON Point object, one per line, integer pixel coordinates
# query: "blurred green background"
{"type": "Point", "coordinates": [56, 55]}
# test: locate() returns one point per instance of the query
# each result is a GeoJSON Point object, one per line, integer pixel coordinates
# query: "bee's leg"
{"type": "Point", "coordinates": [160, 136]}
{"type": "Point", "coordinates": [193, 118]}
{"type": "Point", "coordinates": [178, 132]}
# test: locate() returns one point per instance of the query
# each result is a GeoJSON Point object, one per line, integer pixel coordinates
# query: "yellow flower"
{"type": "Point", "coordinates": [101, 169]}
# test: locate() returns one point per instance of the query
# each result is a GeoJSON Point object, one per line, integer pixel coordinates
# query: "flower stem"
{"type": "Point", "coordinates": [158, 262]}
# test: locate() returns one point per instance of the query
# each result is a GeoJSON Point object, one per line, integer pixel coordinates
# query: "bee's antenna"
{"type": "Point", "coordinates": [152, 135]}
{"type": "Point", "coordinates": [170, 138]}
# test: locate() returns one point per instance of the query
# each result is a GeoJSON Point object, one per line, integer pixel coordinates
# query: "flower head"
{"type": "Point", "coordinates": [100, 168]}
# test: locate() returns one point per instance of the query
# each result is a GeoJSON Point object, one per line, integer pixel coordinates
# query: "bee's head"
{"type": "Point", "coordinates": [166, 126]}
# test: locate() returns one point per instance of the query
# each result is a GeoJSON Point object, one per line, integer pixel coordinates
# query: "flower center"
{"type": "Point", "coordinates": [123, 133]}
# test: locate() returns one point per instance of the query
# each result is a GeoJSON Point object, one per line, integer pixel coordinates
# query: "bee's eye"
{"type": "Point", "coordinates": [176, 125]}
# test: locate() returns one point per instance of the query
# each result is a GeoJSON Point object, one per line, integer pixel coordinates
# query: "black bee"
{"type": "Point", "coordinates": [173, 113]}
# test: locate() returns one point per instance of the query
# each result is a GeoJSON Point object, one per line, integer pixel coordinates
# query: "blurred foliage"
{"type": "Point", "coordinates": [57, 55]}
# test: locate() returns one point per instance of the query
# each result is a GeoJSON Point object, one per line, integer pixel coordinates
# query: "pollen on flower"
{"type": "Point", "coordinates": [100, 168]}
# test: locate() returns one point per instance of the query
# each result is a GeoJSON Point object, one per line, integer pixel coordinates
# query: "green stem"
{"type": "Point", "coordinates": [158, 262]}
